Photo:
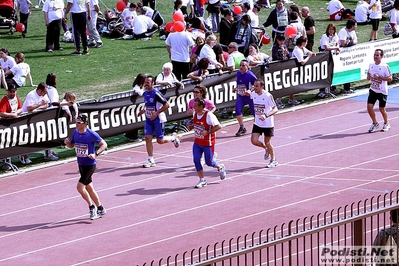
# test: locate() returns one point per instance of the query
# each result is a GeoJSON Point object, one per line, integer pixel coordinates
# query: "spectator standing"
{"type": "Point", "coordinates": [94, 36]}
{"type": "Point", "coordinates": [375, 17]}
{"type": "Point", "coordinates": [202, 71]}
{"type": "Point", "coordinates": [265, 109]}
{"type": "Point", "coordinates": [10, 108]}
{"type": "Point", "coordinates": [394, 19]}
{"type": "Point", "coordinates": [213, 8]}
{"type": "Point", "coordinates": [338, 11]}
{"type": "Point", "coordinates": [208, 52]}
{"type": "Point", "coordinates": [217, 49]}
{"type": "Point", "coordinates": [19, 73]}
{"type": "Point", "coordinates": [279, 19]}
{"type": "Point", "coordinates": [379, 75]}
{"type": "Point", "coordinates": [128, 15]}
{"type": "Point", "coordinates": [83, 139]}
{"type": "Point", "coordinates": [241, 33]}
{"type": "Point", "coordinates": [200, 91]}
{"type": "Point", "coordinates": [150, 3]}
{"type": "Point", "coordinates": [199, 8]}
{"type": "Point", "coordinates": [10, 104]}
{"type": "Point", "coordinates": [235, 57]}
{"type": "Point", "coordinates": [179, 45]}
{"type": "Point", "coordinates": [362, 11]}
{"type": "Point", "coordinates": [347, 37]}
{"type": "Point", "coordinates": [80, 13]}
{"type": "Point", "coordinates": [205, 124]}
{"type": "Point", "coordinates": [245, 79]}
{"type": "Point", "coordinates": [309, 27]}
{"type": "Point", "coordinates": [184, 8]}
{"type": "Point", "coordinates": [53, 11]}
{"type": "Point", "coordinates": [225, 26]}
{"type": "Point", "coordinates": [280, 51]}
{"type": "Point", "coordinates": [143, 26]}
{"type": "Point", "coordinates": [246, 9]}
{"type": "Point", "coordinates": [138, 90]}
{"type": "Point", "coordinates": [24, 7]}
{"type": "Point", "coordinates": [155, 107]}
{"type": "Point", "coordinates": [300, 29]}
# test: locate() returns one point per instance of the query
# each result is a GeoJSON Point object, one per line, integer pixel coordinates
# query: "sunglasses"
{"type": "Point", "coordinates": [196, 91]}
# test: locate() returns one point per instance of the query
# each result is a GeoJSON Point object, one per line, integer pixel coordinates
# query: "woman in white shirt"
{"type": "Point", "coordinates": [329, 40]}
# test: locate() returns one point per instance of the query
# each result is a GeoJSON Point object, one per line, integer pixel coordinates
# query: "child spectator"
{"type": "Point", "coordinates": [70, 98]}
{"type": "Point", "coordinates": [24, 7]}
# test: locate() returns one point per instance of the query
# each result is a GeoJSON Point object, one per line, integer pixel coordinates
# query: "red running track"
{"type": "Point", "coordinates": [327, 160]}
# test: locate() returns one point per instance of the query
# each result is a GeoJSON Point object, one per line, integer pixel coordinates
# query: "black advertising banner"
{"type": "Point", "coordinates": [115, 114]}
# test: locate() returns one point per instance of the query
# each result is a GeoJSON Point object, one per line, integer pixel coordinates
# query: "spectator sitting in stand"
{"type": "Point", "coordinates": [207, 52]}
{"type": "Point", "coordinates": [143, 26]}
{"type": "Point", "coordinates": [167, 78]}
{"type": "Point", "coordinates": [255, 57]}
{"type": "Point", "coordinates": [241, 33]}
{"type": "Point", "coordinates": [362, 12]}
{"type": "Point", "coordinates": [338, 11]}
{"type": "Point", "coordinates": [70, 99]}
{"type": "Point", "coordinates": [128, 15]}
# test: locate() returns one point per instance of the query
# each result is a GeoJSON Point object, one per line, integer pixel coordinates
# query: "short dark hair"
{"type": "Point", "coordinates": [42, 86]}
{"type": "Point", "coordinates": [200, 102]}
{"type": "Point", "coordinates": [381, 52]}
{"type": "Point", "coordinates": [350, 23]}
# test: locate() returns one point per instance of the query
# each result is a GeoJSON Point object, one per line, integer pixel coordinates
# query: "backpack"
{"type": "Point", "coordinates": [67, 37]}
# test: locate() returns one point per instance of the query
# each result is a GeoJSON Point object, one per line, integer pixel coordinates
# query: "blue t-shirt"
{"type": "Point", "coordinates": [85, 145]}
{"type": "Point", "coordinates": [243, 81]}
{"type": "Point", "coordinates": [154, 100]}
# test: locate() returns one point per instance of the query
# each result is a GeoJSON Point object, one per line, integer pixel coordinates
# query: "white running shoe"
{"type": "Point", "coordinates": [374, 127]}
{"type": "Point", "coordinates": [222, 172]}
{"type": "Point", "coordinates": [386, 127]}
{"type": "Point", "coordinates": [176, 140]}
{"type": "Point", "coordinates": [273, 163]}
{"type": "Point", "coordinates": [93, 213]}
{"type": "Point", "coordinates": [201, 184]}
{"type": "Point", "coordinates": [149, 164]}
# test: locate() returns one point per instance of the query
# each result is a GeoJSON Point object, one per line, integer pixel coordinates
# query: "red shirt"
{"type": "Point", "coordinates": [5, 104]}
{"type": "Point", "coordinates": [199, 126]}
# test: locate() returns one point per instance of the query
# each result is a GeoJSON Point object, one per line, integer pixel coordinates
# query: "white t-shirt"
{"type": "Point", "coordinates": [329, 41]}
{"type": "Point", "coordinates": [7, 65]}
{"type": "Point", "coordinates": [334, 6]}
{"type": "Point", "coordinates": [78, 6]}
{"type": "Point", "coordinates": [52, 94]}
{"type": "Point", "coordinates": [138, 90]}
{"type": "Point", "coordinates": [181, 44]}
{"type": "Point", "coordinates": [361, 12]}
{"type": "Point", "coordinates": [376, 12]}
{"type": "Point", "coordinates": [263, 104]}
{"type": "Point", "coordinates": [141, 24]}
{"type": "Point", "coordinates": [394, 18]}
{"type": "Point", "coordinates": [207, 52]}
{"type": "Point", "coordinates": [128, 17]}
{"type": "Point", "coordinates": [33, 98]}
{"type": "Point", "coordinates": [171, 78]}
{"type": "Point", "coordinates": [54, 9]}
{"type": "Point", "coordinates": [347, 36]}
{"type": "Point", "coordinates": [377, 85]}
{"type": "Point", "coordinates": [20, 72]}
{"type": "Point", "coordinates": [300, 53]}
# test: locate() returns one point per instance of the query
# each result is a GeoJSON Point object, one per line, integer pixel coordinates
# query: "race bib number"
{"type": "Point", "coordinates": [82, 150]}
{"type": "Point", "coordinates": [375, 84]}
{"type": "Point", "coordinates": [149, 111]}
{"type": "Point", "coordinates": [241, 88]}
{"type": "Point", "coordinates": [282, 19]}
{"type": "Point", "coordinates": [197, 131]}
{"type": "Point", "coordinates": [259, 109]}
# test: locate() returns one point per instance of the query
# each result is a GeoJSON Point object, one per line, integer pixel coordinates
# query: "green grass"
{"type": "Point", "coordinates": [113, 67]}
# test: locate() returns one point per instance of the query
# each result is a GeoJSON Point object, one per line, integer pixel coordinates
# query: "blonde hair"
{"type": "Point", "coordinates": [70, 95]}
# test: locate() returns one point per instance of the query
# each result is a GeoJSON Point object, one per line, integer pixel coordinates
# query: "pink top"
{"type": "Point", "coordinates": [208, 104]}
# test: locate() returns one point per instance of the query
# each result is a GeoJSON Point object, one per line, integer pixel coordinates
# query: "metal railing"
{"type": "Point", "coordinates": [298, 242]}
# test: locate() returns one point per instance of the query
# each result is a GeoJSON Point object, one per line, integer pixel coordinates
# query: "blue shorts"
{"type": "Point", "coordinates": [151, 126]}
{"type": "Point", "coordinates": [208, 152]}
{"type": "Point", "coordinates": [241, 102]}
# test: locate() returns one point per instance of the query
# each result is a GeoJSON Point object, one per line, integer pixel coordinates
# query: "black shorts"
{"type": "Point", "coordinates": [267, 131]}
{"type": "Point", "coordinates": [86, 171]}
{"type": "Point", "coordinates": [373, 97]}
{"type": "Point", "coordinates": [374, 23]}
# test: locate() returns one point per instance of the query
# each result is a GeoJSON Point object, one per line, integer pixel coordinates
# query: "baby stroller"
{"type": "Point", "coordinates": [8, 15]}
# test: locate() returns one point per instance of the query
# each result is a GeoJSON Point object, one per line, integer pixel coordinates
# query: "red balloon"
{"type": "Point", "coordinates": [265, 38]}
{"type": "Point", "coordinates": [20, 27]}
{"type": "Point", "coordinates": [178, 17]}
{"type": "Point", "coordinates": [290, 32]}
{"type": "Point", "coordinates": [237, 10]}
{"type": "Point", "coordinates": [120, 6]}
{"type": "Point", "coordinates": [169, 26]}
{"type": "Point", "coordinates": [179, 26]}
